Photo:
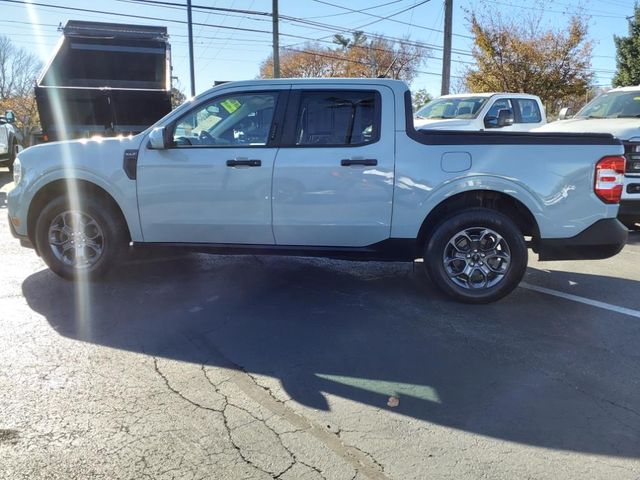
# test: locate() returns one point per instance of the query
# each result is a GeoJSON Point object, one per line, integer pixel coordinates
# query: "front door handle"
{"type": "Point", "coordinates": [367, 162]}
{"type": "Point", "coordinates": [244, 162]}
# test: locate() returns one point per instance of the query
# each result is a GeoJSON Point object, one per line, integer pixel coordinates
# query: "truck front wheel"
{"type": "Point", "coordinates": [476, 256]}
{"type": "Point", "coordinates": [79, 241]}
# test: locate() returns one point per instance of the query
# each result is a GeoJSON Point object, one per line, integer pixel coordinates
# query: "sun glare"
{"type": "Point", "coordinates": [81, 285]}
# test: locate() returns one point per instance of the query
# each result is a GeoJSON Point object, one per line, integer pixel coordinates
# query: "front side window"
{"type": "Point", "coordinates": [242, 119]}
{"type": "Point", "coordinates": [337, 118]}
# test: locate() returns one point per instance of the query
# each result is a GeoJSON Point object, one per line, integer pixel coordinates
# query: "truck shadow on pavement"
{"type": "Point", "coordinates": [529, 369]}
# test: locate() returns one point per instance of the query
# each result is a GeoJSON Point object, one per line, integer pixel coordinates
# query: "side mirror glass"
{"type": "Point", "coordinates": [565, 113]}
{"type": "Point", "coordinates": [491, 122]}
{"type": "Point", "coordinates": [157, 139]}
{"type": "Point", "coordinates": [10, 116]}
{"type": "Point", "coordinates": [505, 117]}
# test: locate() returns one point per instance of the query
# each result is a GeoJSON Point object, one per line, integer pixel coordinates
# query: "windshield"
{"type": "Point", "coordinates": [459, 107]}
{"type": "Point", "coordinates": [613, 105]}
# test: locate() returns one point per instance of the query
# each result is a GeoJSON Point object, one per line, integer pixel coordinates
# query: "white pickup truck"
{"type": "Point", "coordinates": [616, 112]}
{"type": "Point", "coordinates": [509, 112]}
{"type": "Point", "coordinates": [323, 167]}
{"type": "Point", "coordinates": [10, 140]}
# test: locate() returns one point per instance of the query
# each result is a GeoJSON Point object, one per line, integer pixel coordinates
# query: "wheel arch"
{"type": "Point", "coordinates": [490, 199]}
{"type": "Point", "coordinates": [60, 187]}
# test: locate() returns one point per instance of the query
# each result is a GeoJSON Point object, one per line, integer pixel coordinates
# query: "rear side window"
{"type": "Point", "coordinates": [501, 104]}
{"type": "Point", "coordinates": [338, 118]}
{"type": "Point", "coordinates": [529, 110]}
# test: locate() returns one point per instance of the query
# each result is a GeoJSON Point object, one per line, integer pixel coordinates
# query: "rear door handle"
{"type": "Point", "coordinates": [367, 162]}
{"type": "Point", "coordinates": [244, 162]}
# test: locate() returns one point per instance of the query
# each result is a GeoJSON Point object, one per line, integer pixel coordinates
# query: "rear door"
{"type": "Point", "coordinates": [333, 175]}
{"type": "Point", "coordinates": [527, 114]}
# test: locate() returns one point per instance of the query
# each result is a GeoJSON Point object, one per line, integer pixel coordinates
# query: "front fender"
{"type": "Point", "coordinates": [118, 186]}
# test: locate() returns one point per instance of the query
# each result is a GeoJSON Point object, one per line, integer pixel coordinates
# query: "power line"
{"type": "Point", "coordinates": [359, 11]}
{"type": "Point", "coordinates": [351, 60]}
{"type": "Point", "coordinates": [351, 10]}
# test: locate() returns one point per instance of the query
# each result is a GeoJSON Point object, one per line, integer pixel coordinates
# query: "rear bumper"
{"type": "Point", "coordinates": [629, 212]}
{"type": "Point", "coordinates": [603, 239]}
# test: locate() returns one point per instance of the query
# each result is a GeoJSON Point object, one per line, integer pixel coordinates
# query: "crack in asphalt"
{"type": "Point", "coordinates": [222, 411]}
{"type": "Point", "coordinates": [361, 461]}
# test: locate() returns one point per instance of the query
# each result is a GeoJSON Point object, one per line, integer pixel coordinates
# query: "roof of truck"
{"type": "Point", "coordinates": [632, 88]}
{"type": "Point", "coordinates": [491, 94]}
{"type": "Point", "coordinates": [397, 86]}
{"type": "Point", "coordinates": [78, 28]}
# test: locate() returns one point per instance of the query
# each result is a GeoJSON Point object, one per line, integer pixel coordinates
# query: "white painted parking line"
{"type": "Point", "coordinates": [587, 301]}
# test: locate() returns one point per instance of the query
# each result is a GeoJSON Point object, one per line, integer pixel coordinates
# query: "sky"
{"type": "Point", "coordinates": [231, 46]}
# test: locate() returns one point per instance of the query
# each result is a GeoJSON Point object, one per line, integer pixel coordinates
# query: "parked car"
{"type": "Point", "coordinates": [323, 167]}
{"type": "Point", "coordinates": [10, 140]}
{"type": "Point", "coordinates": [515, 112]}
{"type": "Point", "coordinates": [616, 112]}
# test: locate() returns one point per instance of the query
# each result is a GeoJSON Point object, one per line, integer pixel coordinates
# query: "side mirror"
{"type": "Point", "coordinates": [10, 116]}
{"type": "Point", "coordinates": [157, 139]}
{"type": "Point", "coordinates": [565, 113]}
{"type": "Point", "coordinates": [504, 118]}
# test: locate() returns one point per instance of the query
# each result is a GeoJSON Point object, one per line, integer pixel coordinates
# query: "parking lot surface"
{"type": "Point", "coordinates": [203, 367]}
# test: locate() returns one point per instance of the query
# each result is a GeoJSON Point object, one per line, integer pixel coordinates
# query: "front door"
{"type": "Point", "coordinates": [333, 175]}
{"type": "Point", "coordinates": [213, 185]}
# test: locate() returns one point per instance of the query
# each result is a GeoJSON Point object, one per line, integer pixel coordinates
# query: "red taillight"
{"type": "Point", "coordinates": [609, 179]}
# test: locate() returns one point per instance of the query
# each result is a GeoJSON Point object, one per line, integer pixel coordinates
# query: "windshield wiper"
{"type": "Point", "coordinates": [628, 116]}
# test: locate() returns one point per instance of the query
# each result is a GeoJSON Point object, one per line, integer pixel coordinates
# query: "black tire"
{"type": "Point", "coordinates": [631, 224]}
{"type": "Point", "coordinates": [438, 248]}
{"type": "Point", "coordinates": [114, 238]}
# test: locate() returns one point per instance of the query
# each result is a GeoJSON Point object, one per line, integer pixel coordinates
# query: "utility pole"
{"type": "Point", "coordinates": [191, 67]}
{"type": "Point", "coordinates": [276, 41]}
{"type": "Point", "coordinates": [446, 53]}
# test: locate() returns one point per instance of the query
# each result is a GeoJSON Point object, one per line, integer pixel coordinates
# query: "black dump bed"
{"type": "Point", "coordinates": [105, 79]}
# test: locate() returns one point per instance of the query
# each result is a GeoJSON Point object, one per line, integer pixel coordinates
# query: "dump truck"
{"type": "Point", "coordinates": [104, 79]}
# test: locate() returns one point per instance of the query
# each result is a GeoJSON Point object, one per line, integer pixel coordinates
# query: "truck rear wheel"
{"type": "Point", "coordinates": [82, 241]}
{"type": "Point", "coordinates": [476, 256]}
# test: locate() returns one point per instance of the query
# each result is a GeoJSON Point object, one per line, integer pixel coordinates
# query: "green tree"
{"type": "Point", "coordinates": [628, 54]}
{"type": "Point", "coordinates": [420, 98]}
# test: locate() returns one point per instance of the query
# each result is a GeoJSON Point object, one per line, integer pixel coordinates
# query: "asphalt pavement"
{"type": "Point", "coordinates": [191, 366]}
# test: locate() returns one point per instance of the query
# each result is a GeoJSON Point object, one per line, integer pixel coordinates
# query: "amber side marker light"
{"type": "Point", "coordinates": [609, 179]}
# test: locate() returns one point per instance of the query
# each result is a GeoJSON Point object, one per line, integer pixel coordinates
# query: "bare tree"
{"type": "Point", "coordinates": [18, 71]}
